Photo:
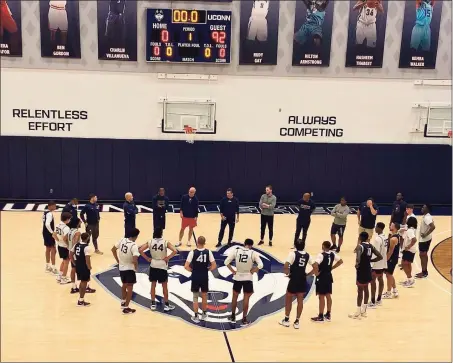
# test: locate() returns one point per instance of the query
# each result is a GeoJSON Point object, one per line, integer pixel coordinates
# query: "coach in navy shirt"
{"type": "Point", "coordinates": [229, 215]}
{"type": "Point", "coordinates": [189, 214]}
{"type": "Point", "coordinates": [367, 217]}
{"type": "Point", "coordinates": [90, 216]}
{"type": "Point", "coordinates": [130, 213]}
{"type": "Point", "coordinates": [306, 208]}
{"type": "Point", "coordinates": [71, 208]}
{"type": "Point", "coordinates": [399, 210]}
{"type": "Point", "coordinates": [160, 205]}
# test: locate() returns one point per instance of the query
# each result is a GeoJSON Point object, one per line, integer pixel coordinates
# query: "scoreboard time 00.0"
{"type": "Point", "coordinates": [188, 36]}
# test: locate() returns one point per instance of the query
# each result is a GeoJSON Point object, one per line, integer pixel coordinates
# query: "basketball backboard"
{"type": "Point", "coordinates": [199, 115]}
{"type": "Point", "coordinates": [438, 122]}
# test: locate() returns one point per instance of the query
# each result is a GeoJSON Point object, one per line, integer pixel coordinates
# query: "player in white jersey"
{"type": "Point", "coordinates": [377, 272]}
{"type": "Point", "coordinates": [366, 21]}
{"type": "Point", "coordinates": [247, 262]}
{"type": "Point", "coordinates": [427, 227]}
{"type": "Point", "coordinates": [409, 250]}
{"type": "Point", "coordinates": [257, 27]}
{"type": "Point", "coordinates": [126, 255]}
{"type": "Point", "coordinates": [158, 265]}
{"type": "Point", "coordinates": [58, 19]}
{"type": "Point", "coordinates": [61, 235]}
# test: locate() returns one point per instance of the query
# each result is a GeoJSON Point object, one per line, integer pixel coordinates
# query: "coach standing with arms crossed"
{"type": "Point", "coordinates": [189, 215]}
{"type": "Point", "coordinates": [267, 205]}
{"type": "Point", "coordinates": [160, 205]}
{"type": "Point", "coordinates": [91, 211]}
{"type": "Point", "coordinates": [130, 213]}
{"type": "Point", "coordinates": [71, 207]}
{"type": "Point", "coordinates": [366, 216]}
{"type": "Point", "coordinates": [229, 214]}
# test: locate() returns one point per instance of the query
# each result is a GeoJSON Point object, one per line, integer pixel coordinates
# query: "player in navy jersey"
{"type": "Point", "coordinates": [48, 228]}
{"type": "Point", "coordinates": [200, 261]}
{"type": "Point", "coordinates": [393, 250]}
{"type": "Point", "coordinates": [364, 252]}
{"type": "Point", "coordinates": [295, 266]}
{"type": "Point", "coordinates": [80, 257]}
{"type": "Point", "coordinates": [323, 265]}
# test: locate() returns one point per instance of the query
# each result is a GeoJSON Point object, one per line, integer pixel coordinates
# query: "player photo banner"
{"type": "Point", "coordinates": [312, 33]}
{"type": "Point", "coordinates": [117, 30]}
{"type": "Point", "coordinates": [420, 34]}
{"type": "Point", "coordinates": [259, 32]}
{"type": "Point", "coordinates": [60, 28]}
{"type": "Point", "coordinates": [366, 33]}
{"type": "Point", "coordinates": [10, 28]}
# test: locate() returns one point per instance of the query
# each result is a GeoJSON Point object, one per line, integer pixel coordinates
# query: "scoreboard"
{"type": "Point", "coordinates": [188, 36]}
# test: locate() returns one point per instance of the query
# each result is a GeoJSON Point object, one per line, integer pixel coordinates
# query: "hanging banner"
{"type": "Point", "coordinates": [366, 33]}
{"type": "Point", "coordinates": [10, 28]}
{"type": "Point", "coordinates": [117, 30]}
{"type": "Point", "coordinates": [312, 33]}
{"type": "Point", "coordinates": [259, 32]}
{"type": "Point", "coordinates": [60, 28]}
{"type": "Point", "coordinates": [420, 34]}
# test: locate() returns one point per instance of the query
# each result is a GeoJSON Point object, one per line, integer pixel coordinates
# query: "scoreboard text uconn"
{"type": "Point", "coordinates": [188, 36]}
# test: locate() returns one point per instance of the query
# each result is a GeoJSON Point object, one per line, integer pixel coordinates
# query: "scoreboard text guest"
{"type": "Point", "coordinates": [181, 35]}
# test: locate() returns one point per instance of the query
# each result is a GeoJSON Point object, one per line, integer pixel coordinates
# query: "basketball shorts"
{"type": "Point", "coordinates": [421, 37]}
{"type": "Point", "coordinates": [297, 286]}
{"type": "Point", "coordinates": [424, 246]}
{"type": "Point", "coordinates": [159, 221]}
{"type": "Point", "coordinates": [364, 276]}
{"type": "Point", "coordinates": [63, 252]}
{"type": "Point", "coordinates": [378, 271]}
{"type": "Point", "coordinates": [323, 286]}
{"type": "Point", "coordinates": [128, 277]}
{"type": "Point", "coordinates": [257, 28]}
{"type": "Point", "coordinates": [158, 274]}
{"type": "Point", "coordinates": [337, 229]}
{"type": "Point", "coordinates": [83, 274]}
{"type": "Point", "coordinates": [58, 19]}
{"type": "Point", "coordinates": [246, 285]}
{"type": "Point", "coordinates": [391, 264]}
{"type": "Point", "coordinates": [200, 284]}
{"type": "Point", "coordinates": [48, 240]}
{"type": "Point", "coordinates": [6, 20]}
{"type": "Point", "coordinates": [408, 256]}
{"type": "Point", "coordinates": [307, 31]}
{"type": "Point", "coordinates": [366, 31]}
{"type": "Point", "coordinates": [188, 222]}
{"type": "Point", "coordinates": [114, 26]}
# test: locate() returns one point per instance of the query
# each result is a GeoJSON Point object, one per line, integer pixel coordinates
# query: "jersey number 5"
{"type": "Point", "coordinates": [301, 262]}
{"type": "Point", "coordinates": [124, 248]}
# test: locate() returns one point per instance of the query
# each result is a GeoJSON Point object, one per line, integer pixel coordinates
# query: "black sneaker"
{"type": "Point", "coordinates": [270, 243]}
{"type": "Point", "coordinates": [327, 318]}
{"type": "Point", "coordinates": [89, 290]}
{"type": "Point", "coordinates": [245, 322]}
{"type": "Point", "coordinates": [74, 290]}
{"type": "Point", "coordinates": [318, 319]}
{"type": "Point", "coordinates": [232, 319]}
{"type": "Point", "coordinates": [333, 247]}
{"type": "Point", "coordinates": [260, 243]}
{"type": "Point", "coordinates": [128, 311]}
{"type": "Point", "coordinates": [123, 305]}
{"type": "Point", "coordinates": [83, 304]}
{"type": "Point", "coordinates": [218, 244]}
{"type": "Point", "coordinates": [338, 250]}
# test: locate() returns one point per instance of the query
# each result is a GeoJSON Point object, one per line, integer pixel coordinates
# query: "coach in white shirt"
{"type": "Point", "coordinates": [426, 230]}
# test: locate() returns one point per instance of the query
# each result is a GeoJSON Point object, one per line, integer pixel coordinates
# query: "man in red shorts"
{"type": "Point", "coordinates": [189, 215]}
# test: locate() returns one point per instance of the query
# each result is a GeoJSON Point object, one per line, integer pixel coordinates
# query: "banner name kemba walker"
{"type": "Point", "coordinates": [50, 120]}
{"type": "Point", "coordinates": [314, 126]}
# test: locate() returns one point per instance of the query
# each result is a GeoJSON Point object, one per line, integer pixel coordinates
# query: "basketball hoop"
{"type": "Point", "coordinates": [190, 134]}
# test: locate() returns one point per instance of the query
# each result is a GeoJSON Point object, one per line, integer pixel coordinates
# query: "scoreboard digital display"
{"type": "Point", "coordinates": [188, 36]}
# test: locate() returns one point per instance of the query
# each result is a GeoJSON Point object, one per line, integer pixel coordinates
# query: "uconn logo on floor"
{"type": "Point", "coordinates": [269, 285]}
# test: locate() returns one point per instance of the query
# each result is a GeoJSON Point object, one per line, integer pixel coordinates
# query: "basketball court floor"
{"type": "Point", "coordinates": [41, 322]}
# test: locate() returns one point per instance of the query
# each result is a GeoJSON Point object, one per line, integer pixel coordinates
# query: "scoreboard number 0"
{"type": "Point", "coordinates": [183, 16]}
{"type": "Point", "coordinates": [207, 52]}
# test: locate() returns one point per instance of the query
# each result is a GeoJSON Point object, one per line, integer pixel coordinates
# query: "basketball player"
{"type": "Point", "coordinates": [323, 265]}
{"type": "Point", "coordinates": [294, 268]}
{"type": "Point", "coordinates": [267, 204]}
{"type": "Point", "coordinates": [257, 27]}
{"type": "Point", "coordinates": [188, 214]}
{"type": "Point", "coordinates": [399, 210]}
{"type": "Point", "coordinates": [366, 21]}
{"type": "Point", "coordinates": [393, 248]}
{"type": "Point", "coordinates": [311, 29]}
{"type": "Point", "coordinates": [48, 227]}
{"type": "Point", "coordinates": [130, 213]}
{"type": "Point", "coordinates": [158, 265]}
{"type": "Point", "coordinates": [421, 32]}
{"type": "Point", "coordinates": [426, 229]}
{"type": "Point", "coordinates": [126, 255]}
{"type": "Point", "coordinates": [245, 260]}
{"type": "Point", "coordinates": [377, 272]}
{"type": "Point", "coordinates": [61, 236]}
{"type": "Point", "coordinates": [115, 24]}
{"type": "Point", "coordinates": [58, 19]}
{"type": "Point", "coordinates": [7, 22]}
{"type": "Point", "coordinates": [340, 213]}
{"type": "Point", "coordinates": [200, 261]}
{"type": "Point", "coordinates": [80, 257]}
{"type": "Point", "coordinates": [306, 208]}
{"type": "Point", "coordinates": [409, 250]}
{"type": "Point", "coordinates": [160, 205]}
{"type": "Point", "coordinates": [364, 252]}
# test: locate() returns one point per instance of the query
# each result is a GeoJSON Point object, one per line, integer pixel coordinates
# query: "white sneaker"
{"type": "Point", "coordinates": [48, 269]}
{"type": "Point", "coordinates": [58, 278]}
{"type": "Point", "coordinates": [189, 244]}
{"type": "Point", "coordinates": [372, 305]}
{"type": "Point", "coordinates": [387, 295]}
{"type": "Point", "coordinates": [355, 316]}
{"type": "Point", "coordinates": [169, 307]}
{"type": "Point", "coordinates": [409, 284]}
{"type": "Point", "coordinates": [65, 280]}
{"type": "Point", "coordinates": [396, 294]}
{"type": "Point", "coordinates": [195, 319]}
{"type": "Point", "coordinates": [284, 323]}
{"type": "Point", "coordinates": [296, 324]}
{"type": "Point", "coordinates": [55, 271]}
{"type": "Point", "coordinates": [178, 244]}
{"type": "Point", "coordinates": [204, 316]}
{"type": "Point", "coordinates": [378, 303]}
{"type": "Point", "coordinates": [363, 315]}
{"type": "Point", "coordinates": [153, 306]}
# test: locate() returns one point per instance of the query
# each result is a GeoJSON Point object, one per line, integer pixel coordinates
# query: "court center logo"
{"type": "Point", "coordinates": [269, 285]}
